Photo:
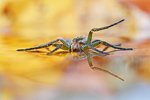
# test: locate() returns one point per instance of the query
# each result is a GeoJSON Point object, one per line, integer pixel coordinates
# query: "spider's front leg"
{"type": "Point", "coordinates": [98, 29]}
{"type": "Point", "coordinates": [46, 45]}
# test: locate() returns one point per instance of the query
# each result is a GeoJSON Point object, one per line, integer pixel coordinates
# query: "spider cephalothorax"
{"type": "Point", "coordinates": [82, 45]}
{"type": "Point", "coordinates": [77, 43]}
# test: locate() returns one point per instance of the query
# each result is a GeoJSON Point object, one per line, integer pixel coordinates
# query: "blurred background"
{"type": "Point", "coordinates": [36, 76]}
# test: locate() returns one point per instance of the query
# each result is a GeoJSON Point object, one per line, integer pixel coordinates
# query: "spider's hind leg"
{"type": "Point", "coordinates": [97, 42]}
{"type": "Point", "coordinates": [115, 46]}
{"type": "Point", "coordinates": [109, 46]}
{"type": "Point", "coordinates": [104, 53]}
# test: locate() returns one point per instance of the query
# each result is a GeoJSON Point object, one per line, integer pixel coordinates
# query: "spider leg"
{"type": "Point", "coordinates": [97, 42]}
{"type": "Point", "coordinates": [98, 29]}
{"type": "Point", "coordinates": [55, 49]}
{"type": "Point", "coordinates": [97, 50]}
{"type": "Point", "coordinates": [108, 47]}
{"type": "Point", "coordinates": [45, 45]}
{"type": "Point", "coordinates": [114, 46]}
{"type": "Point", "coordinates": [64, 47]}
{"type": "Point", "coordinates": [100, 69]}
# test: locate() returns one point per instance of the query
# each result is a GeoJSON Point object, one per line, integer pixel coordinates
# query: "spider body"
{"type": "Point", "coordinates": [77, 43]}
{"type": "Point", "coordinates": [81, 44]}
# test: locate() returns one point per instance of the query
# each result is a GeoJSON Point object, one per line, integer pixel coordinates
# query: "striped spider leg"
{"type": "Point", "coordinates": [64, 46]}
{"type": "Point", "coordinates": [98, 29]}
{"type": "Point", "coordinates": [97, 42]}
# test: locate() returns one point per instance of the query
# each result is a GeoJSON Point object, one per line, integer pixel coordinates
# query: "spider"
{"type": "Point", "coordinates": [81, 45]}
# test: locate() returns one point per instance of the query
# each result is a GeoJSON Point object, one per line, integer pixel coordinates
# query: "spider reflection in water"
{"type": "Point", "coordinates": [81, 45]}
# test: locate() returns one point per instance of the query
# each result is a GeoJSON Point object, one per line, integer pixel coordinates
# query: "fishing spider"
{"type": "Point", "coordinates": [82, 45]}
